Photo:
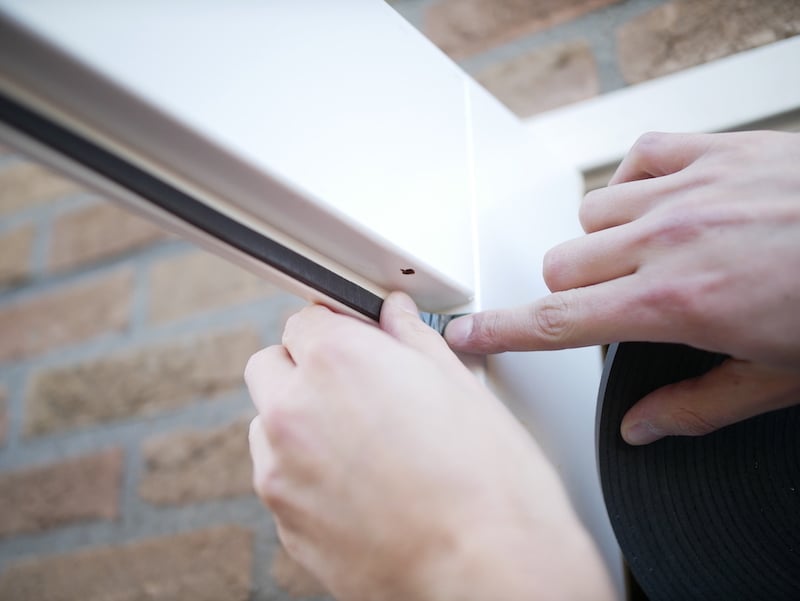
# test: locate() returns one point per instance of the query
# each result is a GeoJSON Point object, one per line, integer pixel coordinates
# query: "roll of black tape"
{"type": "Point", "coordinates": [710, 517]}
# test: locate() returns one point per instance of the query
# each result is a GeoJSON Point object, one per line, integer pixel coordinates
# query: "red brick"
{"type": "Point", "coordinates": [199, 281]}
{"type": "Point", "coordinates": [685, 33]}
{"type": "Point", "coordinates": [16, 247]}
{"type": "Point", "coordinates": [293, 577]}
{"type": "Point", "coordinates": [97, 233]}
{"type": "Point", "coordinates": [207, 565]}
{"type": "Point", "coordinates": [25, 185]}
{"type": "Point", "coordinates": [3, 416]}
{"type": "Point", "coordinates": [79, 489]}
{"type": "Point", "coordinates": [137, 382]}
{"type": "Point", "coordinates": [67, 315]}
{"type": "Point", "coordinates": [197, 465]}
{"type": "Point", "coordinates": [465, 27]}
{"type": "Point", "coordinates": [544, 79]}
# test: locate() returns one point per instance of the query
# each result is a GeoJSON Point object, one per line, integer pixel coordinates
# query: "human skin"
{"type": "Point", "coordinates": [696, 240]}
{"type": "Point", "coordinates": [393, 474]}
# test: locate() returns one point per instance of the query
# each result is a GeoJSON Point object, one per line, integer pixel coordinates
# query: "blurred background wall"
{"type": "Point", "coordinates": [124, 471]}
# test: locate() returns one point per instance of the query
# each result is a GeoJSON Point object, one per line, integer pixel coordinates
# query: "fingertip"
{"type": "Point", "coordinates": [400, 301]}
{"type": "Point", "coordinates": [398, 308]}
{"type": "Point", "coordinates": [639, 433]}
{"type": "Point", "coordinates": [457, 332]}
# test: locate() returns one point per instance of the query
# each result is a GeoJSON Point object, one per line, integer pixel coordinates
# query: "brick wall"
{"type": "Point", "coordinates": [124, 471]}
{"type": "Point", "coordinates": [124, 468]}
{"type": "Point", "coordinates": [536, 55]}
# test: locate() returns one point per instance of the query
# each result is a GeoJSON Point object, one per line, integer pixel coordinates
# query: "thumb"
{"type": "Point", "coordinates": [729, 393]}
{"type": "Point", "coordinates": [400, 319]}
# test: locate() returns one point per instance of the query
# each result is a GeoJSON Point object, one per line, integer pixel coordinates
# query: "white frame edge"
{"type": "Point", "coordinates": [724, 94]}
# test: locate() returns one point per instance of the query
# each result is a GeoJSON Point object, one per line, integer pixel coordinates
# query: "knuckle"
{"type": "Point", "coordinates": [691, 304]}
{"type": "Point", "coordinates": [672, 228]}
{"type": "Point", "coordinates": [688, 422]}
{"type": "Point", "coordinates": [254, 364]}
{"type": "Point", "coordinates": [269, 487]}
{"type": "Point", "coordinates": [328, 353]}
{"type": "Point", "coordinates": [551, 318]}
{"type": "Point", "coordinates": [277, 423]}
{"type": "Point", "coordinates": [670, 299]}
{"type": "Point", "coordinates": [648, 143]}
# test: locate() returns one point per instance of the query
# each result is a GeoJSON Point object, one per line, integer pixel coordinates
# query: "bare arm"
{"type": "Point", "coordinates": [393, 473]}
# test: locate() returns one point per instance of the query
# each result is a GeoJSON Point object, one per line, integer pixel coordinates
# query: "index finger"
{"type": "Point", "coordinates": [613, 311]}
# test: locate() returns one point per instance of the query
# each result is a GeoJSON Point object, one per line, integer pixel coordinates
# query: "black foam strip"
{"type": "Point", "coordinates": [715, 517]}
{"type": "Point", "coordinates": [189, 209]}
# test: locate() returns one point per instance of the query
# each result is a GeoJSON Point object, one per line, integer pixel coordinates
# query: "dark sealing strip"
{"type": "Point", "coordinates": [709, 518]}
{"type": "Point", "coordinates": [189, 209]}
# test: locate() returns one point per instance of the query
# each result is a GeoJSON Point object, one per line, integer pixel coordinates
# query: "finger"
{"type": "Point", "coordinates": [400, 319]}
{"type": "Point", "coordinates": [598, 257]}
{"type": "Point", "coordinates": [625, 202]}
{"type": "Point", "coordinates": [274, 489]}
{"type": "Point", "coordinates": [618, 310]}
{"type": "Point", "coordinates": [261, 454]}
{"type": "Point", "coordinates": [655, 154]}
{"type": "Point", "coordinates": [732, 392]}
{"type": "Point", "coordinates": [266, 372]}
{"type": "Point", "coordinates": [318, 332]}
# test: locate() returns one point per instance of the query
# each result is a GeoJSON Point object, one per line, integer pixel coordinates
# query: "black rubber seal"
{"type": "Point", "coordinates": [715, 517]}
{"type": "Point", "coordinates": [189, 209]}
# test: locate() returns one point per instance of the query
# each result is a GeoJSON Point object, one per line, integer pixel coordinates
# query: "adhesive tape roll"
{"type": "Point", "coordinates": [710, 517]}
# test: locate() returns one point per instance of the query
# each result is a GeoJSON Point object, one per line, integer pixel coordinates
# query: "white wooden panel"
{"type": "Point", "coordinates": [526, 203]}
{"type": "Point", "coordinates": [337, 123]}
{"type": "Point", "coordinates": [721, 95]}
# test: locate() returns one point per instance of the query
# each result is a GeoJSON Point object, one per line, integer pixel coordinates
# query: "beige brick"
{"type": "Point", "coordinates": [544, 79]}
{"type": "Point", "coordinates": [139, 382]}
{"type": "Point", "coordinates": [199, 281]}
{"type": "Point", "coordinates": [3, 415]}
{"type": "Point", "coordinates": [25, 185]}
{"type": "Point", "coordinates": [197, 465]}
{"type": "Point", "coordinates": [96, 233]}
{"type": "Point", "coordinates": [293, 577]}
{"type": "Point", "coordinates": [465, 27]}
{"type": "Point", "coordinates": [16, 247]}
{"type": "Point", "coordinates": [42, 497]}
{"type": "Point", "coordinates": [685, 33]}
{"type": "Point", "coordinates": [207, 565]}
{"type": "Point", "coordinates": [67, 315]}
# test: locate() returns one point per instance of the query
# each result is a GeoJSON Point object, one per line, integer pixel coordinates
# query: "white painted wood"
{"type": "Point", "coordinates": [717, 96]}
{"type": "Point", "coordinates": [334, 122]}
{"type": "Point", "coordinates": [526, 203]}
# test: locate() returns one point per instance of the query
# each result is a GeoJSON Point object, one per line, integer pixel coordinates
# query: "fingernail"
{"type": "Point", "coordinates": [457, 331]}
{"type": "Point", "coordinates": [404, 302]}
{"type": "Point", "coordinates": [640, 433]}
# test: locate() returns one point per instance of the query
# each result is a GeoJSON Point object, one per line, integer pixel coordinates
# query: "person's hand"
{"type": "Point", "coordinates": [393, 473]}
{"type": "Point", "coordinates": [695, 240]}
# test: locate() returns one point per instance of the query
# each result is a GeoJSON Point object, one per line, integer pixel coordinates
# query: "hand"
{"type": "Point", "coordinates": [695, 240]}
{"type": "Point", "coordinates": [393, 473]}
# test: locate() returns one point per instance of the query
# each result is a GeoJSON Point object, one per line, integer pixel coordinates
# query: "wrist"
{"type": "Point", "coordinates": [517, 563]}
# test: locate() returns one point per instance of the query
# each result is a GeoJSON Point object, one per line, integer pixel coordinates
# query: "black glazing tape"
{"type": "Point", "coordinates": [715, 517]}
{"type": "Point", "coordinates": [189, 209]}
